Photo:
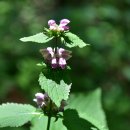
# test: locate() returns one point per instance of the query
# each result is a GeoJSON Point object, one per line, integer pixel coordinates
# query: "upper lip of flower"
{"type": "Point", "coordinates": [51, 22]}
{"type": "Point", "coordinates": [64, 22]}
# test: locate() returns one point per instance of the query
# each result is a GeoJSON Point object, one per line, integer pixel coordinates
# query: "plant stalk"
{"type": "Point", "coordinates": [49, 117]}
{"type": "Point", "coordinates": [49, 122]}
{"type": "Point", "coordinates": [49, 114]}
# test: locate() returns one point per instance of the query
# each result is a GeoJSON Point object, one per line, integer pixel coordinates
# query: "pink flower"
{"type": "Point", "coordinates": [61, 27]}
{"type": "Point", "coordinates": [64, 53]}
{"type": "Point", "coordinates": [41, 99]}
{"type": "Point", "coordinates": [62, 63]}
{"type": "Point", "coordinates": [56, 57]}
{"type": "Point", "coordinates": [52, 24]}
{"type": "Point", "coordinates": [63, 24]}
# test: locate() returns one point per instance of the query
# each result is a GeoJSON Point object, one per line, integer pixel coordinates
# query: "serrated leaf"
{"type": "Point", "coordinates": [39, 38]}
{"type": "Point", "coordinates": [89, 107]}
{"type": "Point", "coordinates": [40, 123]}
{"type": "Point", "coordinates": [73, 40]}
{"type": "Point", "coordinates": [56, 91]}
{"type": "Point", "coordinates": [14, 115]}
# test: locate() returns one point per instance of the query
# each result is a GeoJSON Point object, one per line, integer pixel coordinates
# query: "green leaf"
{"type": "Point", "coordinates": [14, 115]}
{"type": "Point", "coordinates": [40, 123]}
{"type": "Point", "coordinates": [39, 38]}
{"type": "Point", "coordinates": [73, 40]}
{"type": "Point", "coordinates": [57, 125]}
{"type": "Point", "coordinates": [89, 108]}
{"type": "Point", "coordinates": [72, 121]}
{"type": "Point", "coordinates": [56, 91]}
{"type": "Point", "coordinates": [92, 128]}
{"type": "Point", "coordinates": [42, 65]}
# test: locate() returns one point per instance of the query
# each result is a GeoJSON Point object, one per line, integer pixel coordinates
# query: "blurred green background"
{"type": "Point", "coordinates": [105, 24]}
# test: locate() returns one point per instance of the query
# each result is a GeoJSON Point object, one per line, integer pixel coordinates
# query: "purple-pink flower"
{"type": "Point", "coordinates": [61, 27]}
{"type": "Point", "coordinates": [41, 99]}
{"type": "Point", "coordinates": [57, 57]}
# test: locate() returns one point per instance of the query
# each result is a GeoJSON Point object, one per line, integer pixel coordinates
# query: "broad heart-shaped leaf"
{"type": "Point", "coordinates": [14, 115]}
{"type": "Point", "coordinates": [40, 123]}
{"type": "Point", "coordinates": [39, 38]}
{"type": "Point", "coordinates": [89, 108]}
{"type": "Point", "coordinates": [72, 121]}
{"type": "Point", "coordinates": [56, 91]}
{"type": "Point", "coordinates": [72, 40]}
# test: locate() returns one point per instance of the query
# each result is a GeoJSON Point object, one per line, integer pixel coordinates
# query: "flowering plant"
{"type": "Point", "coordinates": [52, 107]}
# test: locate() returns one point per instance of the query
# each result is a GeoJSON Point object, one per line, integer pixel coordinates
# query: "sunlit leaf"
{"type": "Point", "coordinates": [56, 91]}
{"type": "Point", "coordinates": [38, 38]}
{"type": "Point", "coordinates": [89, 108]}
{"type": "Point", "coordinates": [72, 40]}
{"type": "Point", "coordinates": [14, 115]}
{"type": "Point", "coordinates": [40, 123]}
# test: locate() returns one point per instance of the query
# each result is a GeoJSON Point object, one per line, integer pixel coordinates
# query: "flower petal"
{"type": "Point", "coordinates": [60, 51]}
{"type": "Point", "coordinates": [54, 63]}
{"type": "Point", "coordinates": [51, 51]}
{"type": "Point", "coordinates": [53, 28]}
{"type": "Point", "coordinates": [39, 95]}
{"type": "Point", "coordinates": [63, 28]}
{"type": "Point", "coordinates": [51, 22]}
{"type": "Point", "coordinates": [64, 22]}
{"type": "Point", "coordinates": [45, 53]}
{"type": "Point", "coordinates": [66, 54]}
{"type": "Point", "coordinates": [62, 63]}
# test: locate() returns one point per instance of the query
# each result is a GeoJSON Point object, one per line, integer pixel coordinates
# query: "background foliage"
{"type": "Point", "coordinates": [105, 63]}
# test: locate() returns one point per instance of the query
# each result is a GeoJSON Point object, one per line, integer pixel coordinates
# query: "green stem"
{"type": "Point", "coordinates": [49, 122]}
{"type": "Point", "coordinates": [49, 113]}
{"type": "Point", "coordinates": [49, 117]}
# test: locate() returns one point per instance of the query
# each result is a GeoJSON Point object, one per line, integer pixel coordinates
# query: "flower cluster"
{"type": "Point", "coordinates": [43, 101]}
{"type": "Point", "coordinates": [61, 27]}
{"type": "Point", "coordinates": [57, 57]}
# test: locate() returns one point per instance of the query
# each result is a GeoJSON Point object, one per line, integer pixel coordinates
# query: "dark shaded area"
{"type": "Point", "coordinates": [57, 75]}
{"type": "Point", "coordinates": [105, 24]}
{"type": "Point", "coordinates": [72, 121]}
